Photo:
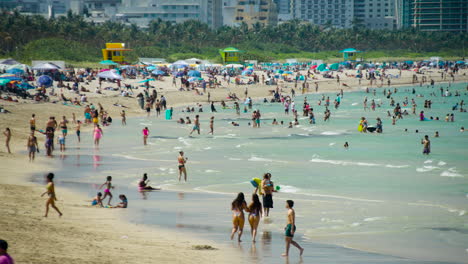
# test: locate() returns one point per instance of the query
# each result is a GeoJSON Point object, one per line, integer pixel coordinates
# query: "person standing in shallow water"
{"type": "Point", "coordinates": [238, 219]}
{"type": "Point", "coordinates": [145, 132]}
{"type": "Point", "coordinates": [290, 229]}
{"type": "Point", "coordinates": [426, 145]}
{"type": "Point", "coordinates": [182, 160]}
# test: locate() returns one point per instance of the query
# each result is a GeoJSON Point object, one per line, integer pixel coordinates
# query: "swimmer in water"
{"type": "Point", "coordinates": [109, 186]}
{"type": "Point", "coordinates": [436, 134]}
{"type": "Point", "coordinates": [211, 125]}
{"type": "Point", "coordinates": [234, 123]}
{"type": "Point", "coordinates": [426, 145]}
{"type": "Point", "coordinates": [143, 184]}
{"type": "Point", "coordinates": [346, 145]}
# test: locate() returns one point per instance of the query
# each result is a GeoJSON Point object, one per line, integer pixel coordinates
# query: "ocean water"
{"type": "Point", "coordinates": [380, 201]}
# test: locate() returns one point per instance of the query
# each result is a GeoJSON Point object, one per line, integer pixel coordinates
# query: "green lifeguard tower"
{"type": "Point", "coordinates": [350, 54]}
{"type": "Point", "coordinates": [230, 55]}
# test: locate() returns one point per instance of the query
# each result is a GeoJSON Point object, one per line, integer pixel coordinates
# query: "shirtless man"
{"type": "Point", "coordinates": [267, 189]}
{"type": "Point", "coordinates": [182, 160]}
{"type": "Point", "coordinates": [32, 146]}
{"type": "Point", "coordinates": [290, 229]}
{"type": "Point", "coordinates": [426, 145]}
{"type": "Point", "coordinates": [63, 126]}
{"type": "Point", "coordinates": [196, 125]}
{"type": "Point", "coordinates": [32, 122]}
{"type": "Point", "coordinates": [51, 124]}
{"type": "Point", "coordinates": [211, 125]}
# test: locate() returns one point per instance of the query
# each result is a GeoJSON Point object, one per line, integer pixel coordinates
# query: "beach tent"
{"type": "Point", "coordinates": [194, 73]}
{"type": "Point", "coordinates": [108, 62]}
{"type": "Point", "coordinates": [180, 64]}
{"type": "Point", "coordinates": [334, 66]}
{"type": "Point", "coordinates": [112, 75]}
{"type": "Point", "coordinates": [44, 80]}
{"type": "Point", "coordinates": [9, 62]}
{"type": "Point", "coordinates": [46, 67]}
{"type": "Point", "coordinates": [322, 67]}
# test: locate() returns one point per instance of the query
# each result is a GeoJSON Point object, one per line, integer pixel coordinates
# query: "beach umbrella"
{"type": "Point", "coordinates": [158, 72]}
{"type": "Point", "coordinates": [314, 66]}
{"type": "Point", "coordinates": [334, 66]}
{"type": "Point", "coordinates": [279, 71]}
{"type": "Point", "coordinates": [4, 81]}
{"type": "Point", "coordinates": [46, 67]}
{"type": "Point", "coordinates": [195, 79]}
{"type": "Point", "coordinates": [108, 62]}
{"type": "Point", "coordinates": [147, 80]}
{"type": "Point", "coordinates": [15, 71]}
{"type": "Point", "coordinates": [460, 62]}
{"type": "Point", "coordinates": [234, 66]}
{"type": "Point", "coordinates": [12, 78]}
{"type": "Point", "coordinates": [44, 80]}
{"type": "Point", "coordinates": [151, 68]}
{"type": "Point", "coordinates": [322, 66]}
{"type": "Point", "coordinates": [26, 86]}
{"type": "Point", "coordinates": [109, 75]}
{"type": "Point", "coordinates": [194, 73]}
{"type": "Point", "coordinates": [359, 66]}
{"type": "Point", "coordinates": [324, 70]}
{"type": "Point", "coordinates": [301, 78]}
{"type": "Point", "coordinates": [9, 62]}
{"type": "Point", "coordinates": [288, 72]}
{"type": "Point", "coordinates": [4, 75]}
{"type": "Point", "coordinates": [409, 62]}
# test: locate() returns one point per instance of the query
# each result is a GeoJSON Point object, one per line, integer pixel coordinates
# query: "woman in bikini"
{"type": "Point", "coordinates": [97, 134]}
{"type": "Point", "coordinates": [255, 213]}
{"type": "Point", "coordinates": [50, 191]}
{"type": "Point", "coordinates": [238, 206]}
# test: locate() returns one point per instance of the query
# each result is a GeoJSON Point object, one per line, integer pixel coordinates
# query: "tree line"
{"type": "Point", "coordinates": [70, 37]}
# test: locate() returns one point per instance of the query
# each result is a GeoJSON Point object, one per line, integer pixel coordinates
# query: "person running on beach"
{"type": "Point", "coordinates": [196, 125]}
{"type": "Point", "coordinates": [211, 125]}
{"type": "Point", "coordinates": [7, 134]}
{"type": "Point", "coordinates": [145, 132]}
{"type": "Point", "coordinates": [50, 191]}
{"type": "Point", "coordinates": [255, 213]}
{"type": "Point", "coordinates": [426, 145]}
{"type": "Point", "coordinates": [32, 146]}
{"type": "Point", "coordinates": [182, 160]}
{"type": "Point", "coordinates": [78, 130]}
{"type": "Point", "coordinates": [97, 135]}
{"type": "Point", "coordinates": [124, 118]}
{"type": "Point", "coordinates": [237, 207]}
{"type": "Point", "coordinates": [143, 184]}
{"type": "Point", "coordinates": [109, 186]}
{"type": "Point", "coordinates": [32, 122]}
{"type": "Point", "coordinates": [290, 229]}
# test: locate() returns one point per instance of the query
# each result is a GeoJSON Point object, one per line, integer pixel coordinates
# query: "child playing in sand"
{"type": "Point", "coordinates": [107, 192]}
{"type": "Point", "coordinates": [124, 202]}
{"type": "Point", "coordinates": [97, 200]}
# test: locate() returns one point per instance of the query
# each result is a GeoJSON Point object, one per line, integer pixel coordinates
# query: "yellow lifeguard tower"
{"type": "Point", "coordinates": [230, 55]}
{"type": "Point", "coordinates": [114, 52]}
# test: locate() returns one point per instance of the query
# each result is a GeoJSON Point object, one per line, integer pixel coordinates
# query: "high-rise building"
{"type": "Point", "coordinates": [256, 11]}
{"type": "Point", "coordinates": [375, 14]}
{"type": "Point", "coordinates": [439, 15]}
{"type": "Point", "coordinates": [40, 7]}
{"type": "Point", "coordinates": [283, 8]}
{"type": "Point", "coordinates": [338, 13]}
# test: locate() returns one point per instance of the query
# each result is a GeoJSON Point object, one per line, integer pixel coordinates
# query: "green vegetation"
{"type": "Point", "coordinates": [76, 41]}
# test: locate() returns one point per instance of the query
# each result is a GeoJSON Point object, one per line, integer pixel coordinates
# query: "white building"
{"type": "Point", "coordinates": [338, 13]}
{"type": "Point", "coordinates": [375, 14]}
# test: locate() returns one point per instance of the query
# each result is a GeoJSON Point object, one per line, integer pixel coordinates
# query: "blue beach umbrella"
{"type": "Point", "coordinates": [15, 71]}
{"type": "Point", "coordinates": [108, 62]}
{"type": "Point", "coordinates": [26, 86]}
{"type": "Point", "coordinates": [158, 72]}
{"type": "Point", "coordinates": [195, 79]}
{"type": "Point", "coordinates": [150, 68]}
{"type": "Point", "coordinates": [458, 62]}
{"type": "Point", "coordinates": [44, 80]}
{"type": "Point", "coordinates": [194, 73]}
{"type": "Point", "coordinates": [147, 80]}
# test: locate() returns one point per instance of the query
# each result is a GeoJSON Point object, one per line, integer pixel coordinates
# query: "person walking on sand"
{"type": "Point", "coordinates": [124, 118]}
{"type": "Point", "coordinates": [182, 160]}
{"type": "Point", "coordinates": [211, 125]}
{"type": "Point", "coordinates": [426, 145]}
{"type": "Point", "coordinates": [50, 191]}
{"type": "Point", "coordinates": [32, 146]}
{"type": "Point", "coordinates": [237, 207]}
{"type": "Point", "coordinates": [107, 192]}
{"type": "Point", "coordinates": [255, 213]}
{"type": "Point", "coordinates": [97, 135]}
{"type": "Point", "coordinates": [196, 125]}
{"type": "Point", "coordinates": [32, 122]}
{"type": "Point", "coordinates": [290, 229]}
{"type": "Point", "coordinates": [145, 132]}
{"type": "Point", "coordinates": [4, 257]}
{"type": "Point", "coordinates": [7, 134]}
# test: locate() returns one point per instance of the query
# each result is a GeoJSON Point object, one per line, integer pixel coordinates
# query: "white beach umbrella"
{"type": "Point", "coordinates": [109, 75]}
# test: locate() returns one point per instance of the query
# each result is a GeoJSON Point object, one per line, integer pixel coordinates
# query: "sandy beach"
{"type": "Point", "coordinates": [90, 235]}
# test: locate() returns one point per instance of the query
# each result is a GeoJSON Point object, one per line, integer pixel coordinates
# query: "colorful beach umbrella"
{"type": "Point", "coordinates": [158, 72]}
{"type": "Point", "coordinates": [194, 73]}
{"type": "Point", "coordinates": [195, 79]}
{"type": "Point", "coordinates": [109, 75]}
{"type": "Point", "coordinates": [15, 71]}
{"type": "Point", "coordinates": [108, 62]}
{"type": "Point", "coordinates": [4, 81]}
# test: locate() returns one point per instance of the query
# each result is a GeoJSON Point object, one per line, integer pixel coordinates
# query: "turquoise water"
{"type": "Point", "coordinates": [381, 195]}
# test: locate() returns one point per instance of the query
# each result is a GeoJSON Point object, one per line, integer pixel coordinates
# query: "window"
{"type": "Point", "coordinates": [185, 15]}
{"type": "Point", "coordinates": [185, 7]}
